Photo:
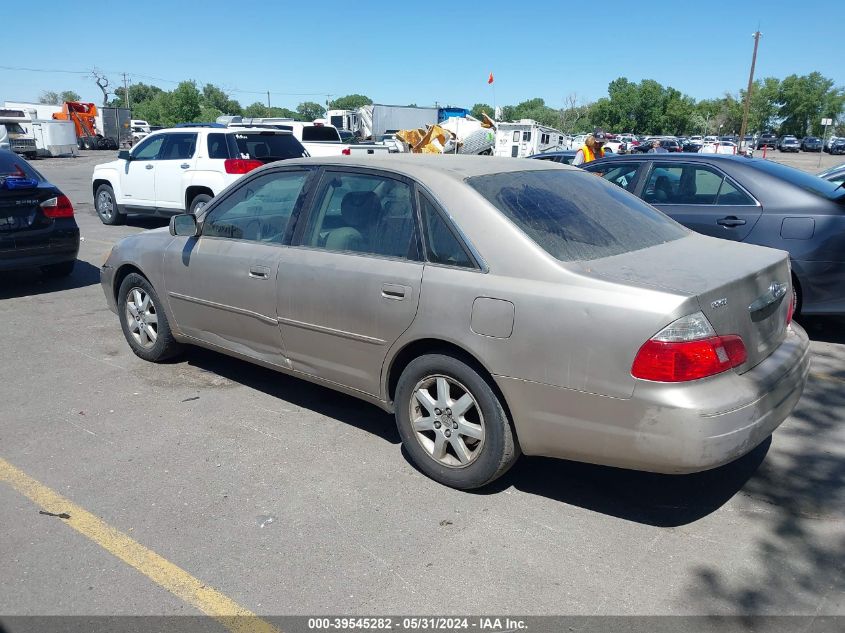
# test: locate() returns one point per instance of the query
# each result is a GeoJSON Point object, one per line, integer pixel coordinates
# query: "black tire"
{"type": "Point", "coordinates": [496, 452]}
{"type": "Point", "coordinates": [62, 269]}
{"type": "Point", "coordinates": [164, 346]}
{"type": "Point", "coordinates": [80, 143]}
{"type": "Point", "coordinates": [106, 206]}
{"type": "Point", "coordinates": [199, 201]}
{"type": "Point", "coordinates": [796, 297]}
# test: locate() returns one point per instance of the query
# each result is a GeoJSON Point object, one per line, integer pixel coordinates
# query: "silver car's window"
{"type": "Point", "coordinates": [258, 210]}
{"type": "Point", "coordinates": [364, 213]}
{"type": "Point", "coordinates": [575, 216]}
{"type": "Point", "coordinates": [441, 245]}
{"type": "Point", "coordinates": [671, 183]}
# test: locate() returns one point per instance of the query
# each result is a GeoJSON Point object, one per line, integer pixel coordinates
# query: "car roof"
{"type": "Point", "coordinates": [458, 167]}
{"type": "Point", "coordinates": [221, 129]}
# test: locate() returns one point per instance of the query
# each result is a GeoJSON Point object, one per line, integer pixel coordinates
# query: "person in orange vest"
{"type": "Point", "coordinates": [592, 149]}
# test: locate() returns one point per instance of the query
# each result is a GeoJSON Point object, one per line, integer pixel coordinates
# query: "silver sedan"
{"type": "Point", "coordinates": [497, 306]}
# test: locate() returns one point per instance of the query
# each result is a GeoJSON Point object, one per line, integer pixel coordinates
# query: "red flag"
{"type": "Point", "coordinates": [490, 79]}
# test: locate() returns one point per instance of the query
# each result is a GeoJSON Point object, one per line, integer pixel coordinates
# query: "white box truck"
{"type": "Point", "coordinates": [378, 119]}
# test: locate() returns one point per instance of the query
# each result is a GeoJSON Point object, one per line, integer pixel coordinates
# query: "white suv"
{"type": "Point", "coordinates": [180, 169]}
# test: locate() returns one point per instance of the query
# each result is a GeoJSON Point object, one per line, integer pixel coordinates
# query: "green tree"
{"type": "Point", "coordinates": [208, 114]}
{"type": "Point", "coordinates": [350, 102]}
{"type": "Point", "coordinates": [184, 103]}
{"type": "Point", "coordinates": [308, 110]}
{"type": "Point", "coordinates": [282, 113]}
{"type": "Point", "coordinates": [138, 93]}
{"type": "Point", "coordinates": [805, 100]}
{"type": "Point", "coordinates": [255, 110]}
{"type": "Point", "coordinates": [763, 107]}
{"type": "Point", "coordinates": [49, 98]}
{"type": "Point", "coordinates": [478, 108]}
{"type": "Point", "coordinates": [214, 97]}
{"type": "Point", "coordinates": [69, 95]}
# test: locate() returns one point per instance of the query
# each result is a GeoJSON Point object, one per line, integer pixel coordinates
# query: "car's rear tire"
{"type": "Point", "coordinates": [106, 206]}
{"type": "Point", "coordinates": [796, 297]}
{"type": "Point", "coordinates": [143, 320]}
{"type": "Point", "coordinates": [62, 269]}
{"type": "Point", "coordinates": [452, 423]}
{"type": "Point", "coordinates": [199, 201]}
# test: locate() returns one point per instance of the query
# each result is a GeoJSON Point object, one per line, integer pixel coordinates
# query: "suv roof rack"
{"type": "Point", "coordinates": [199, 125]}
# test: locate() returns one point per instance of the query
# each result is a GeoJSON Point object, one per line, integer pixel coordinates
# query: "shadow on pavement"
{"type": "Point", "coordinates": [299, 392]}
{"type": "Point", "coordinates": [26, 283]}
{"type": "Point", "coordinates": [146, 221]}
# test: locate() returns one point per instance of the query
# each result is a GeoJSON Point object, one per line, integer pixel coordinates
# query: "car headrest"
{"type": "Point", "coordinates": [360, 208]}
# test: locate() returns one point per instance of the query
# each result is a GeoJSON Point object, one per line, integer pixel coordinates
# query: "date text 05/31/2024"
{"type": "Point", "coordinates": [503, 625]}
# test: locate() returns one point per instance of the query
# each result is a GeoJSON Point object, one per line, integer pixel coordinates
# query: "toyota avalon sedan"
{"type": "Point", "coordinates": [496, 306]}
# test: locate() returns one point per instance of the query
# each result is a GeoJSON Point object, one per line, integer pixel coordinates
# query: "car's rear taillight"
{"type": "Point", "coordinates": [58, 207]}
{"type": "Point", "coordinates": [346, 151]}
{"type": "Point", "coordinates": [688, 349]}
{"type": "Point", "coordinates": [791, 311]}
{"type": "Point", "coordinates": [241, 165]}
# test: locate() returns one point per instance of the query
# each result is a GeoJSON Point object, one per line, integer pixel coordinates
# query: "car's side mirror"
{"type": "Point", "coordinates": [184, 224]}
{"type": "Point", "coordinates": [124, 155]}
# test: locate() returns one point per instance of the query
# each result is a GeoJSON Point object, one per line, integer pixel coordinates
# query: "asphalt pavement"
{"type": "Point", "coordinates": [289, 498]}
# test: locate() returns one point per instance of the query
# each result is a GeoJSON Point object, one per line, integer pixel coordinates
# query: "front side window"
{"type": "Point", "coordinates": [179, 146]}
{"type": "Point", "coordinates": [573, 215]}
{"type": "Point", "coordinates": [149, 148]}
{"type": "Point", "coordinates": [673, 183]}
{"type": "Point", "coordinates": [623, 175]}
{"type": "Point", "coordinates": [526, 136]}
{"type": "Point", "coordinates": [364, 213]}
{"type": "Point", "coordinates": [516, 136]}
{"type": "Point", "coordinates": [259, 210]}
{"type": "Point", "coordinates": [441, 244]}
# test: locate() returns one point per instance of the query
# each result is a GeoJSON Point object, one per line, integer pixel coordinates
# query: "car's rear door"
{"type": "Point", "coordinates": [702, 198]}
{"type": "Point", "coordinates": [352, 285]}
{"type": "Point", "coordinates": [221, 286]}
{"type": "Point", "coordinates": [177, 157]}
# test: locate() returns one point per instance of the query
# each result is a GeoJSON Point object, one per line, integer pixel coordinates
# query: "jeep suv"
{"type": "Point", "coordinates": [180, 169]}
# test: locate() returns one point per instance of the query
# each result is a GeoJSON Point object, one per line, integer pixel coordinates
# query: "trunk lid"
{"type": "Point", "coordinates": [741, 289]}
{"type": "Point", "coordinates": [20, 209]}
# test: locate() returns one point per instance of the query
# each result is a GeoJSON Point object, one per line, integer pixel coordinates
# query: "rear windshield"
{"type": "Point", "coordinates": [808, 182]}
{"type": "Point", "coordinates": [13, 165]}
{"type": "Point", "coordinates": [575, 216]}
{"type": "Point", "coordinates": [319, 133]}
{"type": "Point", "coordinates": [265, 146]}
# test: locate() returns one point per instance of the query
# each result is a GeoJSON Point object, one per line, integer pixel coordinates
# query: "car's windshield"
{"type": "Point", "coordinates": [14, 128]}
{"type": "Point", "coordinates": [808, 182]}
{"type": "Point", "coordinates": [575, 216]}
{"type": "Point", "coordinates": [265, 146]}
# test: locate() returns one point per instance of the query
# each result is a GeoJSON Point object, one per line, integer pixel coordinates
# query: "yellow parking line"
{"type": "Point", "coordinates": [160, 570]}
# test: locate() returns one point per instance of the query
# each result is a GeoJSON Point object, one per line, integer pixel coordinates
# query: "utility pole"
{"type": "Point", "coordinates": [268, 101]}
{"type": "Point", "coordinates": [125, 91]}
{"type": "Point", "coordinates": [742, 129]}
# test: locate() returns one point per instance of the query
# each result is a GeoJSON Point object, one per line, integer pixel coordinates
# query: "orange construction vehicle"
{"type": "Point", "coordinates": [84, 118]}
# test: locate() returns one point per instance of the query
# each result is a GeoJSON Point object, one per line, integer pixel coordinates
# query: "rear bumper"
{"type": "Point", "coordinates": [665, 428]}
{"type": "Point", "coordinates": [21, 251]}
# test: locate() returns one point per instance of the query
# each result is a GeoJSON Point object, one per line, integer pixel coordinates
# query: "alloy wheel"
{"type": "Point", "coordinates": [105, 206]}
{"type": "Point", "coordinates": [142, 317]}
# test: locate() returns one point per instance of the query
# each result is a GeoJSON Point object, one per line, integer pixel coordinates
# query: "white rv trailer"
{"type": "Point", "coordinates": [525, 137]}
{"type": "Point", "coordinates": [379, 119]}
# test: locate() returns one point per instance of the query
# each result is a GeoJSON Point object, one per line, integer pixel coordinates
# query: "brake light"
{"type": "Point", "coordinates": [688, 349]}
{"type": "Point", "coordinates": [58, 207]}
{"type": "Point", "coordinates": [346, 151]}
{"type": "Point", "coordinates": [791, 309]}
{"type": "Point", "coordinates": [241, 165]}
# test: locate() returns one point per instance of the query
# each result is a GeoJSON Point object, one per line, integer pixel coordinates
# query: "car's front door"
{"type": "Point", "coordinates": [351, 287]}
{"type": "Point", "coordinates": [176, 157]}
{"type": "Point", "coordinates": [137, 178]}
{"type": "Point", "coordinates": [701, 198]}
{"type": "Point", "coordinates": [221, 286]}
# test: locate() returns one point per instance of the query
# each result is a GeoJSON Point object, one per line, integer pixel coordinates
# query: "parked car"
{"type": "Point", "coordinates": [719, 147]}
{"type": "Point", "coordinates": [766, 140]}
{"type": "Point", "coordinates": [182, 169]}
{"type": "Point", "coordinates": [787, 137]}
{"type": "Point", "coordinates": [37, 226]}
{"type": "Point", "coordinates": [564, 157]}
{"type": "Point", "coordinates": [834, 174]}
{"type": "Point", "coordinates": [669, 144]}
{"type": "Point", "coordinates": [693, 146]}
{"type": "Point", "coordinates": [754, 201]}
{"type": "Point", "coordinates": [837, 146]}
{"type": "Point", "coordinates": [428, 286]}
{"type": "Point", "coordinates": [811, 144]}
{"type": "Point", "coordinates": [790, 144]}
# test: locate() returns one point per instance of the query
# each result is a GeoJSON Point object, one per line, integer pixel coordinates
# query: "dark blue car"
{"type": "Point", "coordinates": [754, 201]}
{"type": "Point", "coordinates": [37, 227]}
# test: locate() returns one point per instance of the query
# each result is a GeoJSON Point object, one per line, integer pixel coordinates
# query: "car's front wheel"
{"type": "Point", "coordinates": [106, 206]}
{"type": "Point", "coordinates": [452, 423]}
{"type": "Point", "coordinates": [143, 320]}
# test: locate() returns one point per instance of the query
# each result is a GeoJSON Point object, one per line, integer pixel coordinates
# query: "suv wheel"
{"type": "Point", "coordinates": [198, 203]}
{"type": "Point", "coordinates": [452, 424]}
{"type": "Point", "coordinates": [107, 207]}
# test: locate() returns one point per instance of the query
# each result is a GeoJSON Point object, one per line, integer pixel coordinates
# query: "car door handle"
{"type": "Point", "coordinates": [185, 166]}
{"type": "Point", "coordinates": [259, 272]}
{"type": "Point", "coordinates": [393, 291]}
{"type": "Point", "coordinates": [148, 166]}
{"type": "Point", "coordinates": [730, 221]}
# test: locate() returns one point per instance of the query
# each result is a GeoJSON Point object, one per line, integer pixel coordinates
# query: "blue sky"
{"type": "Point", "coordinates": [407, 51]}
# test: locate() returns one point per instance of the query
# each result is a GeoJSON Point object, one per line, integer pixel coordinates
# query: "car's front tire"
{"type": "Point", "coordinates": [143, 320]}
{"type": "Point", "coordinates": [106, 206]}
{"type": "Point", "coordinates": [452, 423]}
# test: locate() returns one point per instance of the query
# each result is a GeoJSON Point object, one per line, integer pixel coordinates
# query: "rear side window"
{"type": "Point", "coordinates": [574, 215]}
{"type": "Point", "coordinates": [441, 245]}
{"type": "Point", "coordinates": [264, 146]}
{"type": "Point", "coordinates": [179, 146]}
{"type": "Point", "coordinates": [217, 146]}
{"type": "Point", "coordinates": [319, 133]}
